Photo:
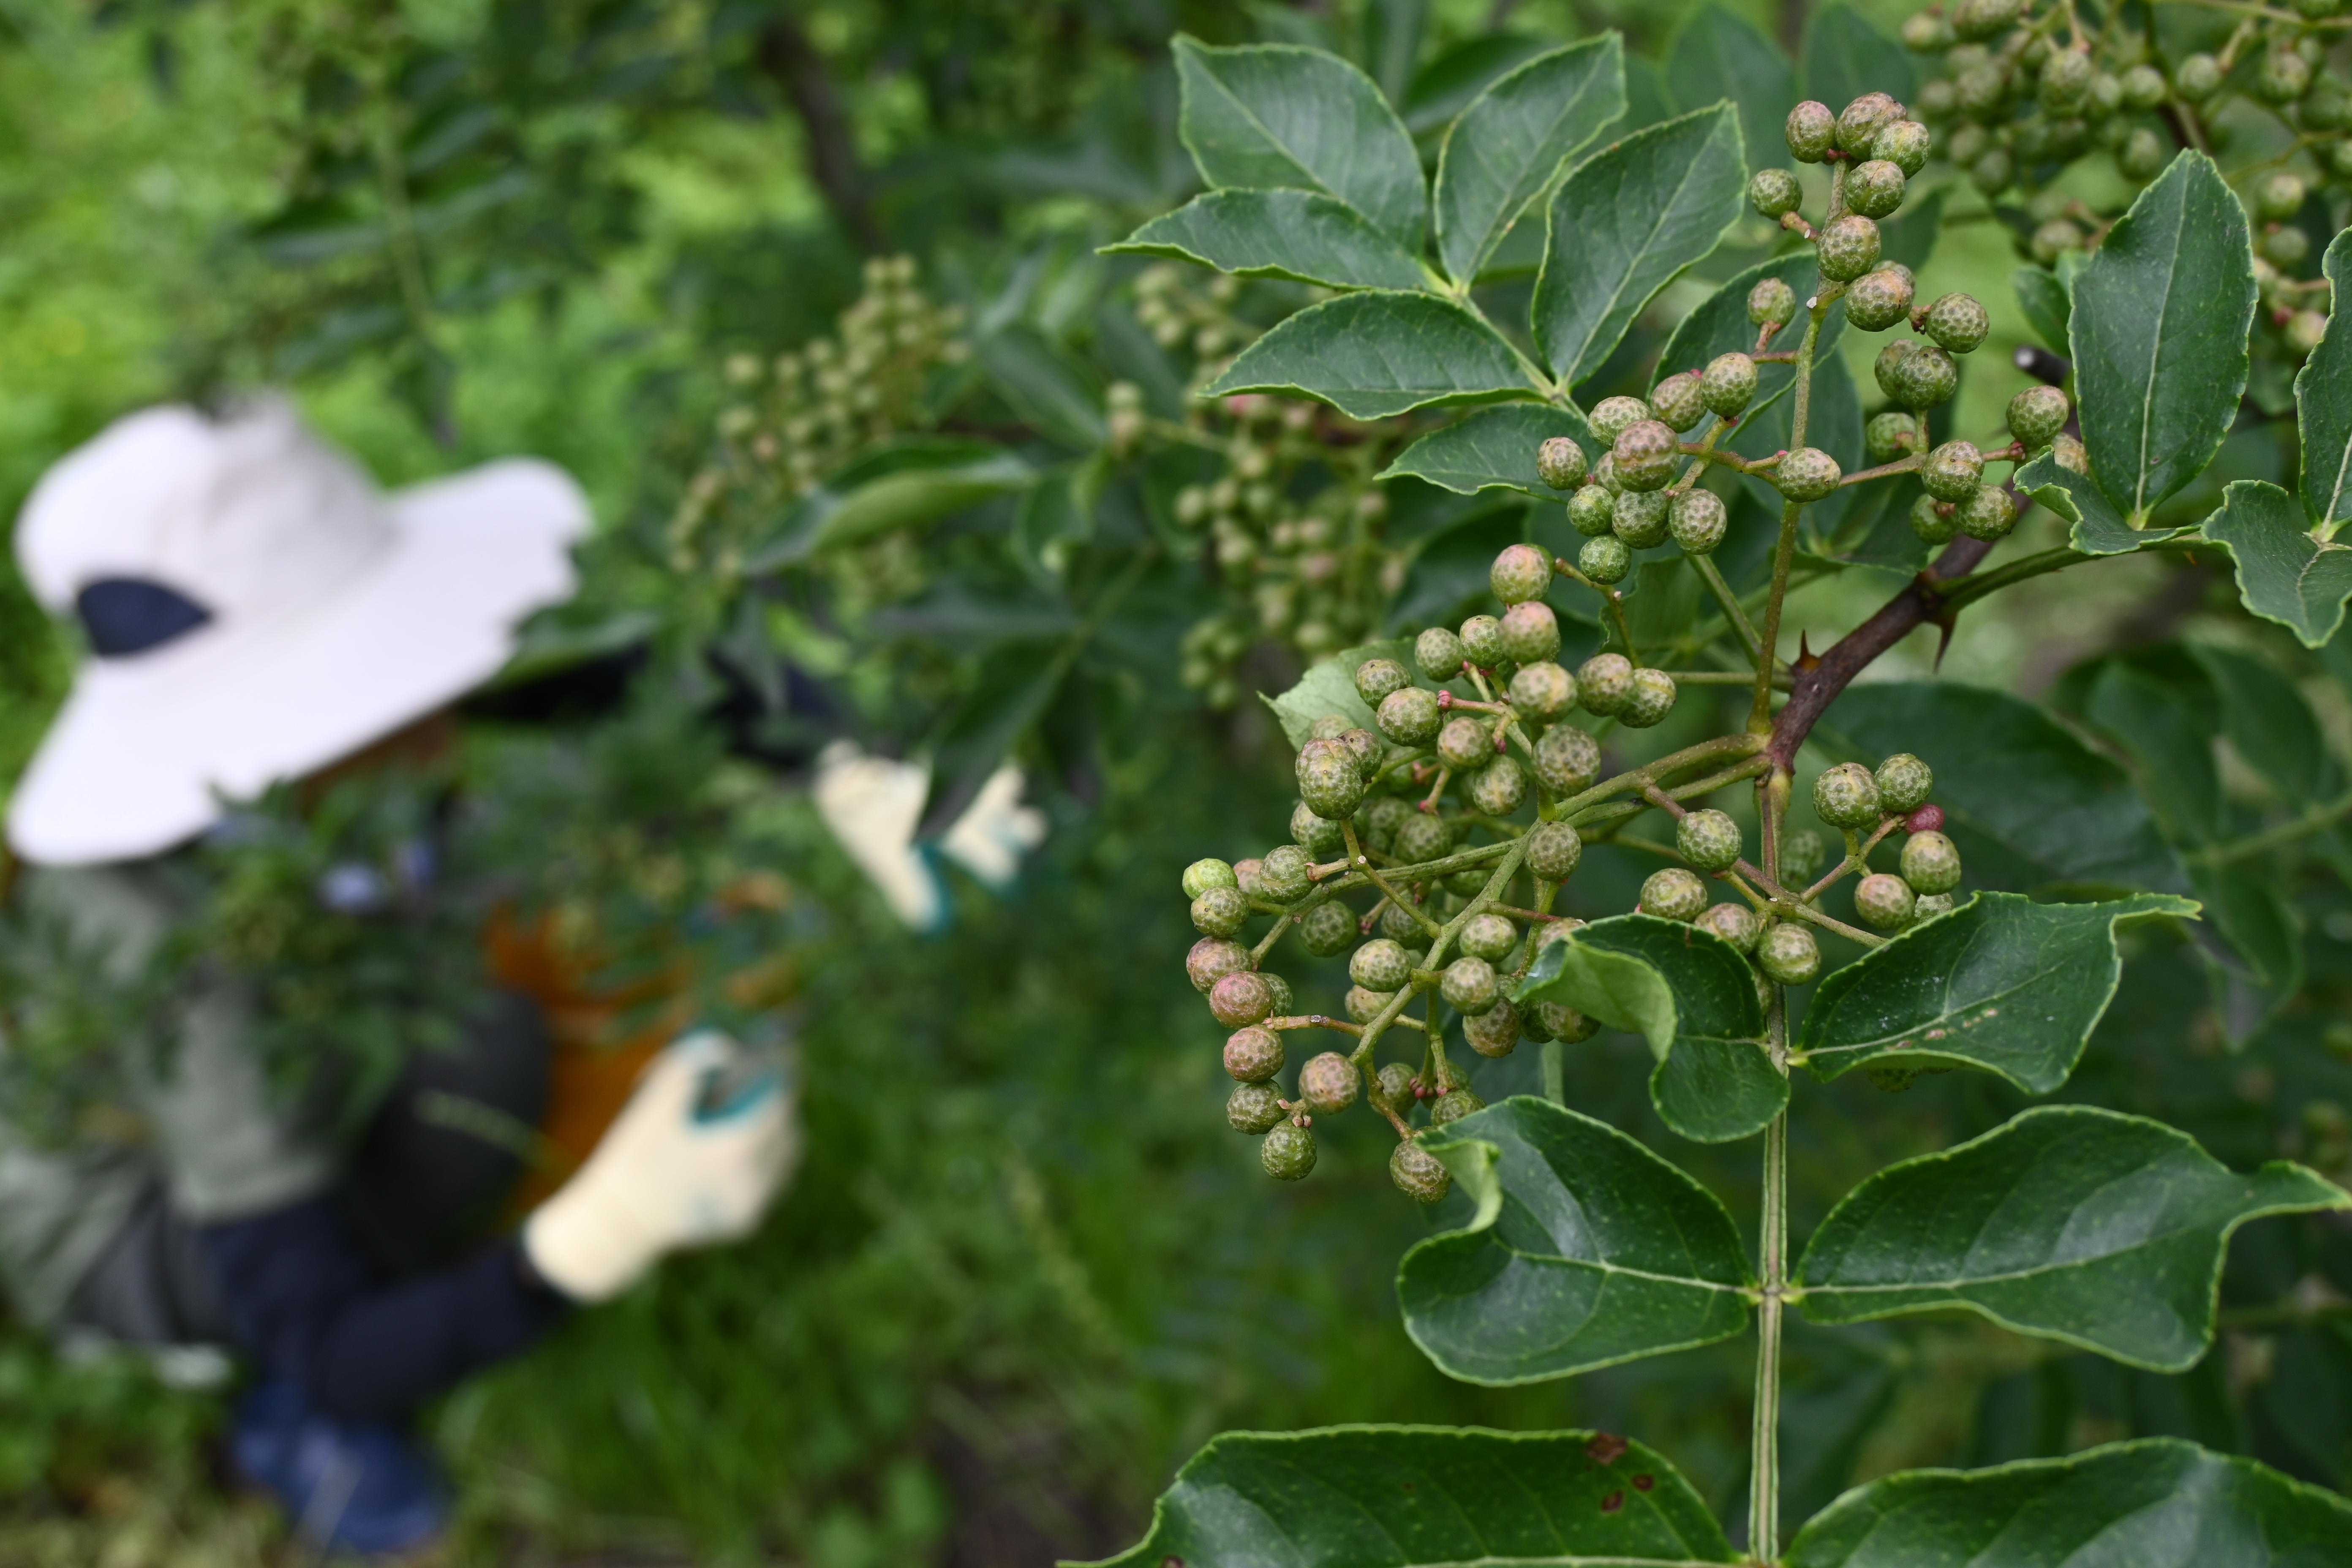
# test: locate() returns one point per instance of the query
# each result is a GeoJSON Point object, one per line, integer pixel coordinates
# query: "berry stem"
{"type": "Point", "coordinates": [1363, 863]}
{"type": "Point", "coordinates": [1764, 1439]}
{"type": "Point", "coordinates": [1900, 465]}
{"type": "Point", "coordinates": [1732, 612]}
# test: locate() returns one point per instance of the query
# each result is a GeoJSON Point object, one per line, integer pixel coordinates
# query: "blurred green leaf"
{"type": "Point", "coordinates": [1719, 54]}
{"type": "Point", "coordinates": [1845, 57]}
{"type": "Point", "coordinates": [2322, 404]}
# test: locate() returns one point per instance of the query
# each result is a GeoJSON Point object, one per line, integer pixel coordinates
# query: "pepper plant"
{"type": "Point", "coordinates": [1450, 783]}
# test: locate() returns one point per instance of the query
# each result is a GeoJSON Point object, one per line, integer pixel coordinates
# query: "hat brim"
{"type": "Point", "coordinates": [147, 747]}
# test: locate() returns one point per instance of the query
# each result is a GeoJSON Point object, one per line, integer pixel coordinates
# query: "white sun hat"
{"type": "Point", "coordinates": [255, 610]}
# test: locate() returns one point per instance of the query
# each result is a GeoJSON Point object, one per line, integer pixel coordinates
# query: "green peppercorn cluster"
{"type": "Point", "coordinates": [1636, 496]}
{"type": "Point", "coordinates": [1868, 805]}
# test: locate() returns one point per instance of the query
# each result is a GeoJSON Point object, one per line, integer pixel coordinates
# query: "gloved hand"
{"type": "Point", "coordinates": [674, 1171]}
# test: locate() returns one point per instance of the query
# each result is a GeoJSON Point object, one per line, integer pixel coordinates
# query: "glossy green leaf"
{"type": "Point", "coordinates": [1587, 1251]}
{"type": "Point", "coordinates": [1329, 686]}
{"type": "Point", "coordinates": [2046, 306]}
{"type": "Point", "coordinates": [1693, 997]}
{"type": "Point", "coordinates": [1719, 54]}
{"type": "Point", "coordinates": [2286, 574]}
{"type": "Point", "coordinates": [1494, 448]}
{"type": "Point", "coordinates": [2103, 1230]}
{"type": "Point", "coordinates": [909, 484]}
{"type": "Point", "coordinates": [1625, 224]}
{"type": "Point", "coordinates": [1444, 86]}
{"type": "Point", "coordinates": [2322, 405]}
{"type": "Point", "coordinates": [1390, 41]}
{"type": "Point", "coordinates": [1373, 354]}
{"type": "Point", "coordinates": [2159, 1502]}
{"type": "Point", "coordinates": [1416, 1497]}
{"type": "Point", "coordinates": [1510, 144]}
{"type": "Point", "coordinates": [2158, 332]}
{"type": "Point", "coordinates": [1299, 234]}
{"type": "Point", "coordinates": [2001, 984]}
{"type": "Point", "coordinates": [1279, 117]}
{"type": "Point", "coordinates": [2094, 525]}
{"type": "Point", "coordinates": [1845, 57]}
{"type": "Point", "coordinates": [2031, 806]}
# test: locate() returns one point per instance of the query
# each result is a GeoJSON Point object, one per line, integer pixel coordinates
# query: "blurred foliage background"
{"type": "Point", "coordinates": [1027, 1269]}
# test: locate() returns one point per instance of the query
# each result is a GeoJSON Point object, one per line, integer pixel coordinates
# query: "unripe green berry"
{"type": "Point", "coordinates": [1611, 415]}
{"type": "Point", "coordinates": [1802, 855]}
{"type": "Point", "coordinates": [1953, 472]}
{"type": "Point", "coordinates": [2143, 87]}
{"type": "Point", "coordinates": [1553, 849]}
{"type": "Point", "coordinates": [1641, 519]}
{"type": "Point", "coordinates": [1787, 954]}
{"type": "Point", "coordinates": [1771, 303]}
{"type": "Point", "coordinates": [1678, 401]}
{"type": "Point", "coordinates": [1482, 641]}
{"type": "Point", "coordinates": [1885, 902]}
{"type": "Point", "coordinates": [1424, 837]}
{"type": "Point", "coordinates": [1925, 32]}
{"type": "Point", "coordinates": [2280, 196]}
{"type": "Point", "coordinates": [1469, 984]}
{"type": "Point", "coordinates": [1530, 631]}
{"type": "Point", "coordinates": [1931, 863]}
{"type": "Point", "coordinates": [1903, 143]}
{"type": "Point", "coordinates": [1559, 463]}
{"type": "Point", "coordinates": [1542, 690]}
{"type": "Point", "coordinates": [1328, 1083]}
{"type": "Point", "coordinates": [1848, 247]}
{"type": "Point", "coordinates": [1604, 683]}
{"type": "Point", "coordinates": [1874, 188]}
{"type": "Point", "coordinates": [1418, 1174]}
{"type": "Point", "coordinates": [1410, 717]}
{"type": "Point", "coordinates": [1645, 455]}
{"type": "Point", "coordinates": [1330, 780]}
{"type": "Point", "coordinates": [1847, 797]}
{"type": "Point", "coordinates": [1453, 1105]}
{"type": "Point", "coordinates": [1860, 122]}
{"type": "Point", "coordinates": [1735, 923]}
{"type": "Point", "coordinates": [1889, 436]}
{"type": "Point", "coordinates": [1605, 560]}
{"type": "Point", "coordinates": [1494, 1032]}
{"type": "Point", "coordinates": [1958, 322]}
{"type": "Point", "coordinates": [2197, 78]}
{"type": "Point", "coordinates": [2304, 329]}
{"type": "Point", "coordinates": [1439, 654]}
{"type": "Point", "coordinates": [1729, 383]}
{"type": "Point", "coordinates": [1253, 1055]}
{"type": "Point", "coordinates": [1651, 700]}
{"type": "Point", "coordinates": [1396, 1086]}
{"type": "Point", "coordinates": [1278, 990]}
{"type": "Point", "coordinates": [1520, 574]}
{"type": "Point", "coordinates": [1316, 835]}
{"type": "Point", "coordinates": [1364, 1004]}
{"type": "Point", "coordinates": [1807, 474]}
{"type": "Point", "coordinates": [1915, 376]}
{"type": "Point", "coordinates": [1465, 742]}
{"type": "Point", "coordinates": [1379, 821]}
{"type": "Point", "coordinates": [1980, 87]}
{"type": "Point", "coordinates": [1708, 839]}
{"type": "Point", "coordinates": [2284, 75]}
{"type": "Point", "coordinates": [1592, 511]}
{"type": "Point", "coordinates": [1934, 523]}
{"type": "Point", "coordinates": [1328, 930]}
{"type": "Point", "coordinates": [1811, 130]}
{"type": "Point", "coordinates": [1879, 299]}
{"type": "Point", "coordinates": [1365, 747]}
{"type": "Point", "coordinates": [1990, 513]}
{"type": "Point", "coordinates": [1283, 874]}
{"type": "Point", "coordinates": [1673, 894]}
{"type": "Point", "coordinates": [1604, 473]}
{"type": "Point", "coordinates": [2065, 80]}
{"type": "Point", "coordinates": [1376, 677]}
{"type": "Point", "coordinates": [1380, 964]}
{"type": "Point", "coordinates": [1904, 784]}
{"type": "Point", "coordinates": [1498, 788]}
{"type": "Point", "coordinates": [1211, 959]}
{"type": "Point", "coordinates": [2286, 245]}
{"type": "Point", "coordinates": [2054, 239]}
{"type": "Point", "coordinates": [1202, 875]}
{"type": "Point", "coordinates": [1698, 519]}
{"type": "Point", "coordinates": [1254, 1107]}
{"type": "Point", "coordinates": [1568, 760]}
{"type": "Point", "coordinates": [2036, 414]}
{"type": "Point", "coordinates": [1221, 912]}
{"type": "Point", "coordinates": [1930, 905]}
{"type": "Point", "coordinates": [1241, 998]}
{"type": "Point", "coordinates": [1289, 1153]}
{"type": "Point", "coordinates": [1773, 192]}
{"type": "Point", "coordinates": [1489, 936]}
{"type": "Point", "coordinates": [1992, 172]}
{"type": "Point", "coordinates": [1564, 1022]}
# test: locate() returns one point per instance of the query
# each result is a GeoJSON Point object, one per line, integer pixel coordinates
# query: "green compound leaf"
{"type": "Point", "coordinates": [1280, 117]}
{"type": "Point", "coordinates": [1719, 54]}
{"type": "Point", "coordinates": [2031, 806]}
{"type": "Point", "coordinates": [2097, 527]}
{"type": "Point", "coordinates": [2159, 331]}
{"type": "Point", "coordinates": [1375, 354]}
{"type": "Point", "coordinates": [2103, 1230]}
{"type": "Point", "coordinates": [2160, 1502]}
{"type": "Point", "coordinates": [1277, 234]}
{"type": "Point", "coordinates": [2322, 405]}
{"type": "Point", "coordinates": [1587, 1251]}
{"type": "Point", "coordinates": [1691, 995]}
{"type": "Point", "coordinates": [1624, 225]}
{"type": "Point", "coordinates": [1494, 448]}
{"type": "Point", "coordinates": [1510, 144]}
{"type": "Point", "coordinates": [1416, 1497]}
{"type": "Point", "coordinates": [2284, 574]}
{"type": "Point", "coordinates": [2001, 984]}
{"type": "Point", "coordinates": [1845, 57]}
{"type": "Point", "coordinates": [1329, 686]}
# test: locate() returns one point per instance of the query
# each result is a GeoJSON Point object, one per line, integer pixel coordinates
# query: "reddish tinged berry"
{"type": "Point", "coordinates": [1927, 819]}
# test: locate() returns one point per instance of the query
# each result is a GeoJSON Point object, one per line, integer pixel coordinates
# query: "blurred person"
{"type": "Point", "coordinates": [256, 613]}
